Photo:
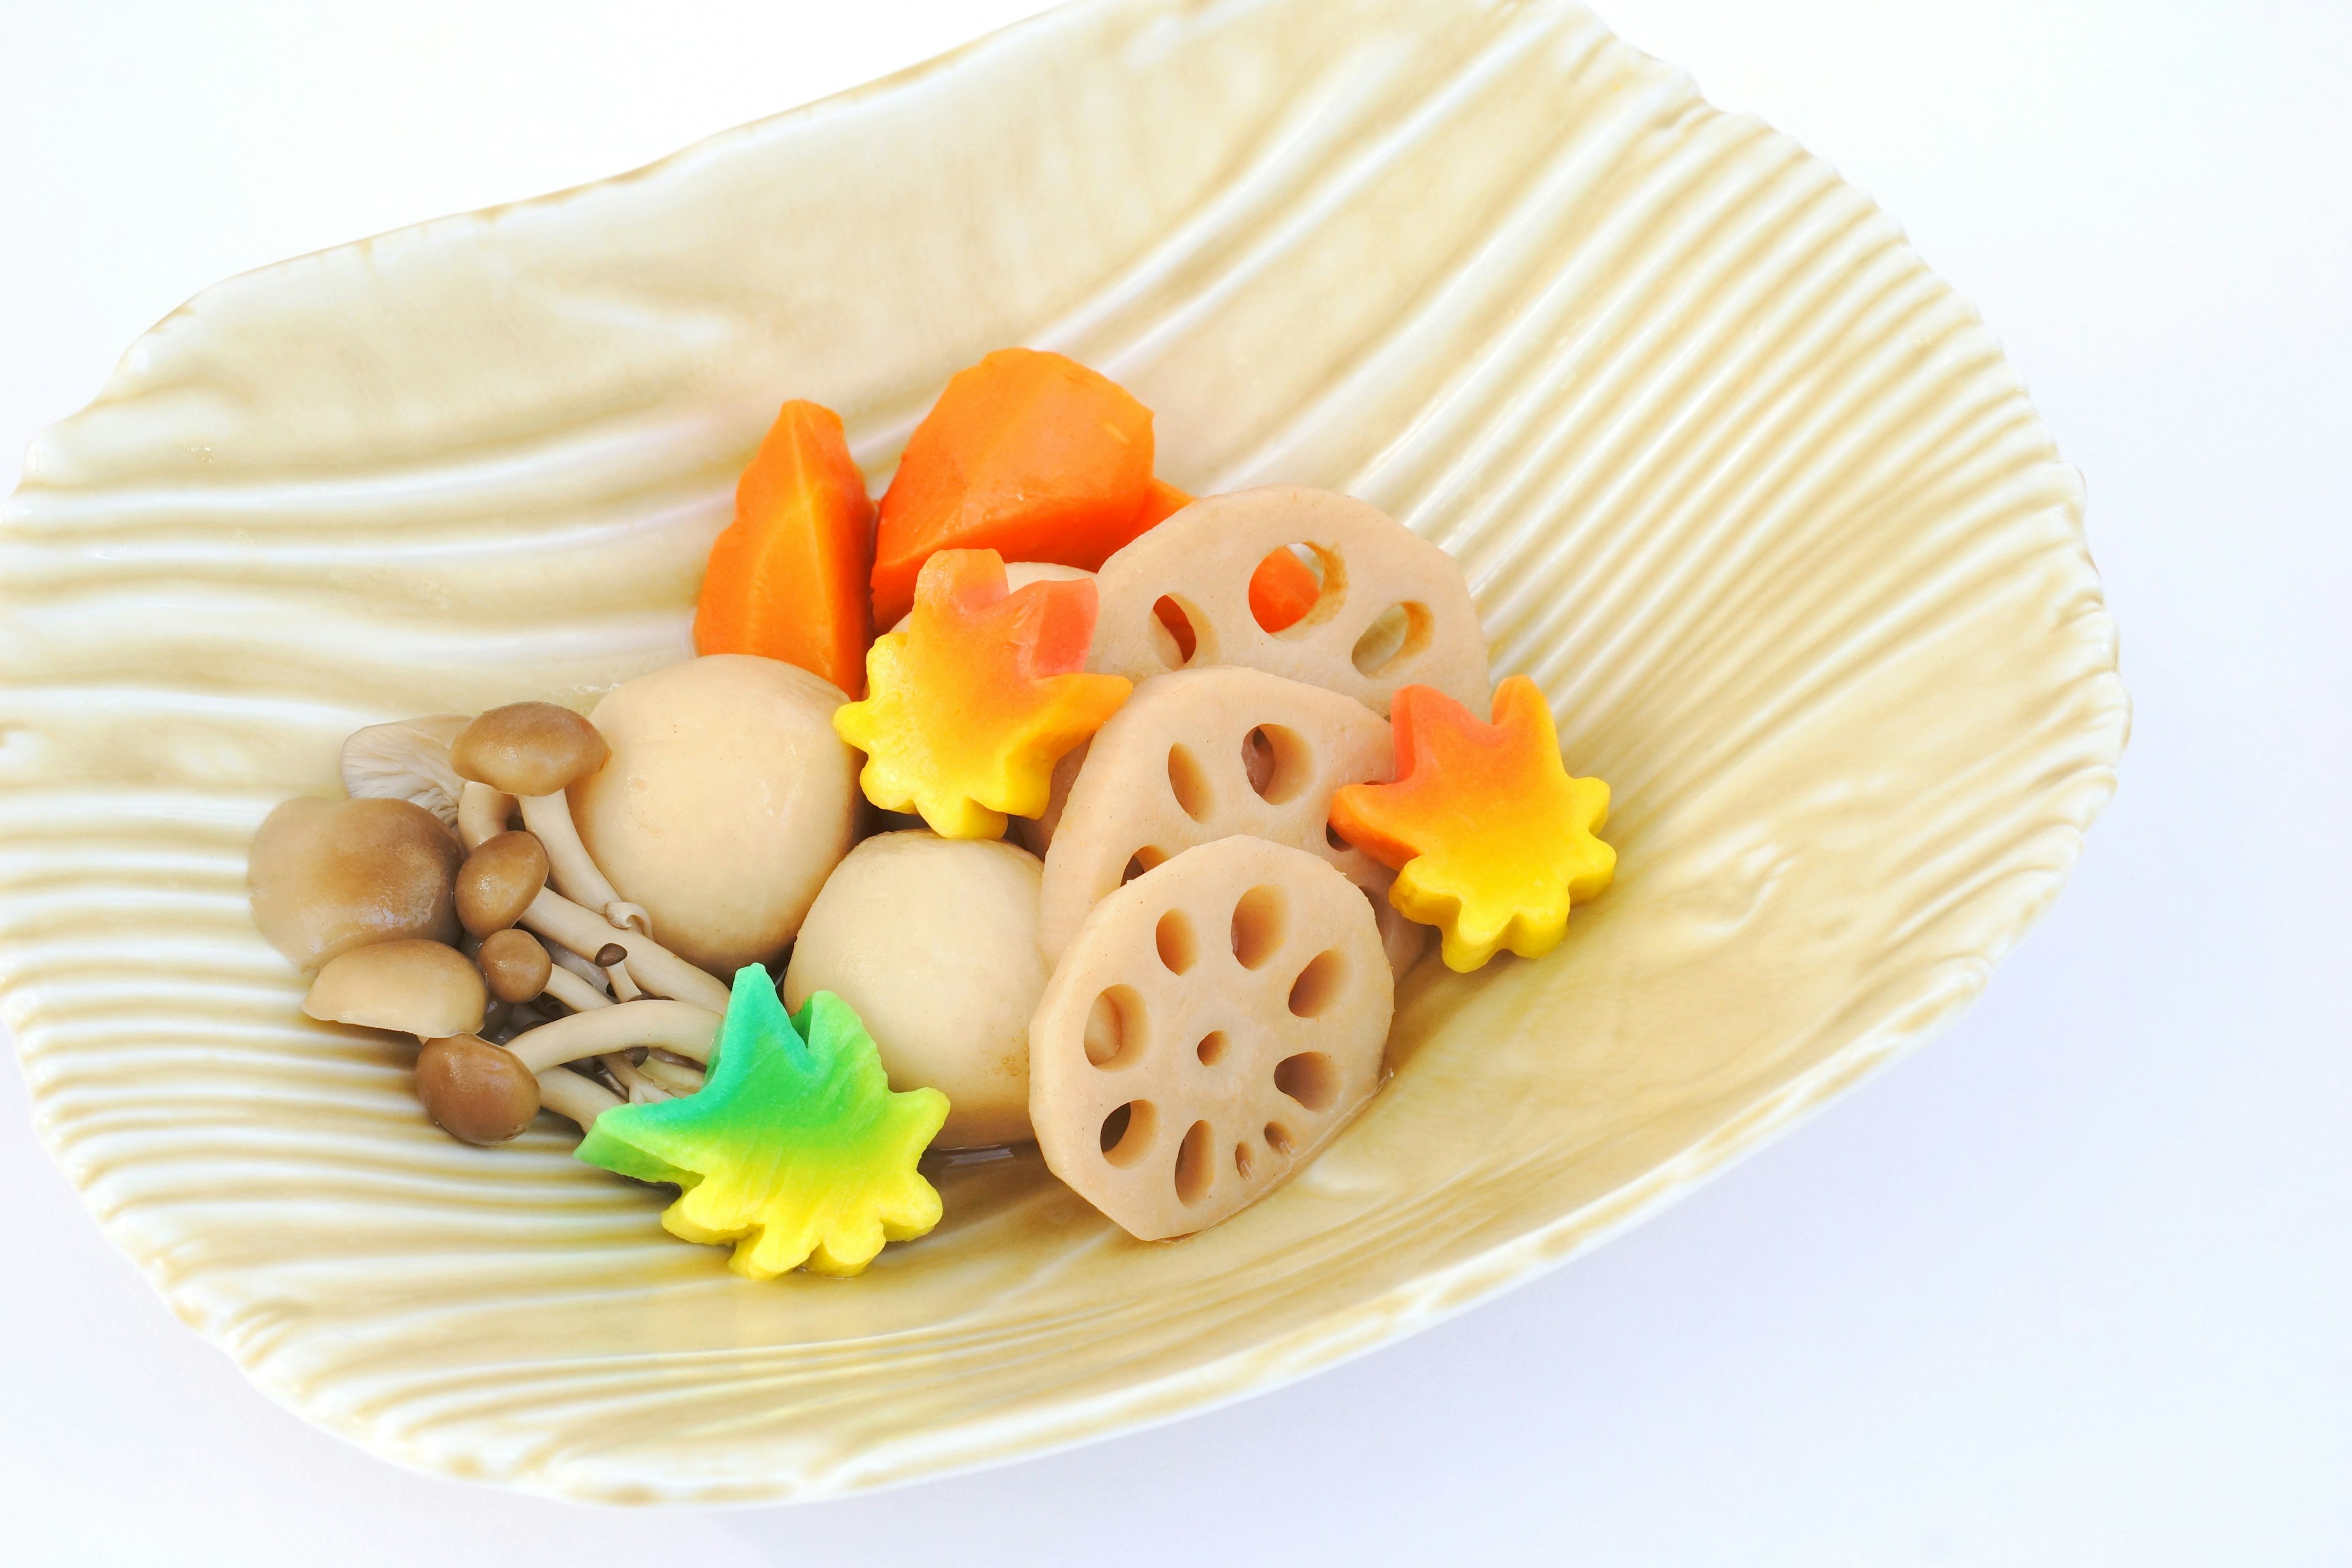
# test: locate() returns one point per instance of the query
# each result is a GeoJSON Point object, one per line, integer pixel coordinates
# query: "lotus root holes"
{"type": "Point", "coordinates": [1307, 1077]}
{"type": "Point", "coordinates": [1173, 634]}
{"type": "Point", "coordinates": [1127, 1132]}
{"type": "Point", "coordinates": [1395, 635]}
{"type": "Point", "coordinates": [1189, 784]}
{"type": "Point", "coordinates": [1318, 985]}
{"type": "Point", "coordinates": [1178, 946]}
{"type": "Point", "coordinates": [1115, 1027]}
{"type": "Point", "coordinates": [1279, 763]}
{"type": "Point", "coordinates": [1195, 1170]}
{"type": "Point", "coordinates": [1258, 926]}
{"type": "Point", "coordinates": [1211, 1049]}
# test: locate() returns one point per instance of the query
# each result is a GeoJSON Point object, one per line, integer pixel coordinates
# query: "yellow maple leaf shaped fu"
{"type": "Point", "coordinates": [1490, 836]}
{"type": "Point", "coordinates": [796, 1149]}
{"type": "Point", "coordinates": [968, 710]}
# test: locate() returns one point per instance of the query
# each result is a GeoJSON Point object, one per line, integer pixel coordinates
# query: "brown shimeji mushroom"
{"type": "Point", "coordinates": [499, 880]}
{"type": "Point", "coordinates": [328, 876]}
{"type": "Point", "coordinates": [376, 889]}
{"type": "Point", "coordinates": [519, 969]}
{"type": "Point", "coordinates": [416, 987]}
{"type": "Point", "coordinates": [478, 1092]}
{"type": "Point", "coordinates": [485, 1093]}
{"type": "Point", "coordinates": [534, 751]}
{"type": "Point", "coordinates": [475, 1091]}
{"type": "Point", "coordinates": [514, 965]}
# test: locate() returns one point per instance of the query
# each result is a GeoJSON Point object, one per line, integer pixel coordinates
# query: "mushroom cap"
{"type": "Point", "coordinates": [499, 880]}
{"type": "Point", "coordinates": [420, 988]}
{"type": "Point", "coordinates": [934, 942]}
{"type": "Point", "coordinates": [475, 1091]}
{"type": "Point", "coordinates": [406, 761]}
{"type": "Point", "coordinates": [328, 876]}
{"type": "Point", "coordinates": [528, 748]}
{"type": "Point", "coordinates": [514, 965]}
{"type": "Point", "coordinates": [728, 800]}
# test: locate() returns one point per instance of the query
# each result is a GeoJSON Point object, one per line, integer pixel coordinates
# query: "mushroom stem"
{"type": "Point", "coordinates": [575, 875]}
{"type": "Point", "coordinates": [564, 958]}
{"type": "Point", "coordinates": [670, 1075]}
{"type": "Point", "coordinates": [569, 1095]}
{"type": "Point", "coordinates": [652, 965]}
{"type": "Point", "coordinates": [625, 986]}
{"type": "Point", "coordinates": [641, 1088]}
{"type": "Point", "coordinates": [574, 992]}
{"type": "Point", "coordinates": [482, 813]}
{"type": "Point", "coordinates": [678, 1026]}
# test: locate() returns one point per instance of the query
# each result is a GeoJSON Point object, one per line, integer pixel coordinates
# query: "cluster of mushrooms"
{"type": "Point", "coordinates": [506, 951]}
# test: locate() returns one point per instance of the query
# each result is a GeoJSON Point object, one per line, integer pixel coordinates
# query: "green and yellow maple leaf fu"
{"type": "Point", "coordinates": [796, 1149]}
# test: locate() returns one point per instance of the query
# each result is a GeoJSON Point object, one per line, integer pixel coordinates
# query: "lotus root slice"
{"type": "Point", "coordinates": [1202, 755]}
{"type": "Point", "coordinates": [1394, 609]}
{"type": "Point", "coordinates": [1216, 1022]}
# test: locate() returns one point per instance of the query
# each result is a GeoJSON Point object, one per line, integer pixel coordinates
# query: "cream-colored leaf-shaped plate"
{"type": "Point", "coordinates": [1744, 486]}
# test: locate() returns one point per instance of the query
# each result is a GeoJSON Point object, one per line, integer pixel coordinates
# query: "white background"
{"type": "Point", "coordinates": [2071, 1287]}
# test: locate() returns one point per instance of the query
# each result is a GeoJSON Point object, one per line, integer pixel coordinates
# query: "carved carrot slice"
{"type": "Point", "coordinates": [787, 578]}
{"type": "Point", "coordinates": [1491, 838]}
{"type": "Point", "coordinates": [970, 707]}
{"type": "Point", "coordinates": [1026, 453]}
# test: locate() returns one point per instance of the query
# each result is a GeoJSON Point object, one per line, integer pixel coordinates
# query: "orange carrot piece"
{"type": "Point", "coordinates": [1029, 454]}
{"type": "Point", "coordinates": [1163, 501]}
{"type": "Point", "coordinates": [787, 579]}
{"type": "Point", "coordinates": [1282, 589]}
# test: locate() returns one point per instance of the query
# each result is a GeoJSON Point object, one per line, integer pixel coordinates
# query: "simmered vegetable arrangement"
{"type": "Point", "coordinates": [1237, 742]}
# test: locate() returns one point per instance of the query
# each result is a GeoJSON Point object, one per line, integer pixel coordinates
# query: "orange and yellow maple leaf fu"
{"type": "Point", "coordinates": [1492, 840]}
{"type": "Point", "coordinates": [968, 710]}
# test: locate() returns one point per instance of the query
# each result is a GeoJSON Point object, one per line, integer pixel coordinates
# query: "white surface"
{"type": "Point", "coordinates": [2071, 1286]}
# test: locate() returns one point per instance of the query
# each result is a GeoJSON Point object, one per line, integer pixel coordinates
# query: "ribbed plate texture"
{"type": "Point", "coordinates": [1745, 488]}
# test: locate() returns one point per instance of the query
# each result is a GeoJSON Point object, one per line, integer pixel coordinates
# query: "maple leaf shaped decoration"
{"type": "Point", "coordinates": [969, 708]}
{"type": "Point", "coordinates": [1490, 838]}
{"type": "Point", "coordinates": [795, 1148]}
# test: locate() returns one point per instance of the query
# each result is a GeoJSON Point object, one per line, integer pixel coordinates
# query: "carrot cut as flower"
{"type": "Point", "coordinates": [1027, 453]}
{"type": "Point", "coordinates": [787, 579]}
